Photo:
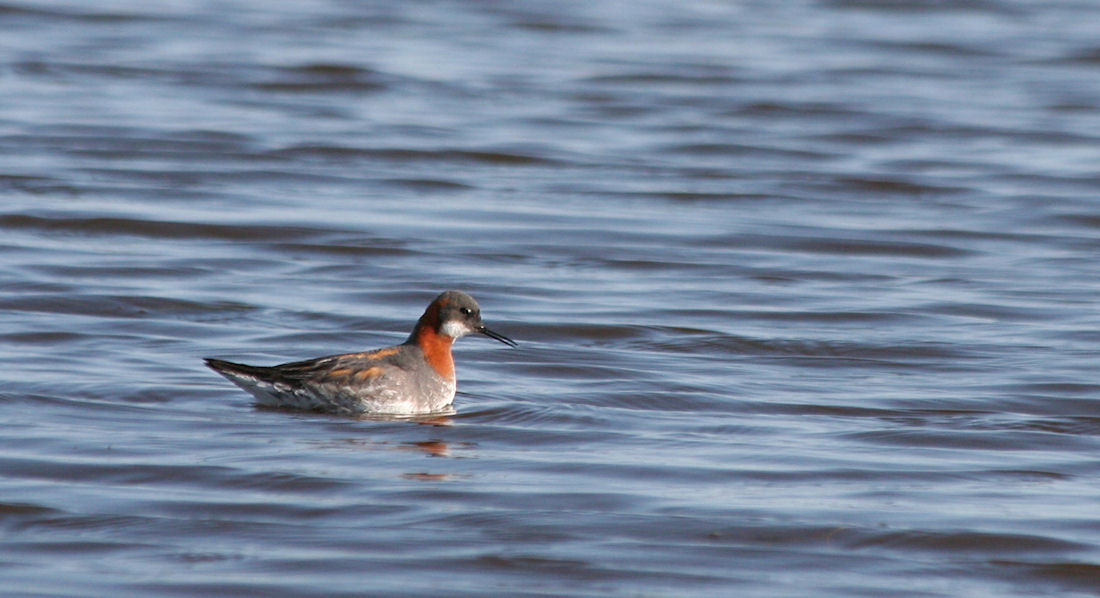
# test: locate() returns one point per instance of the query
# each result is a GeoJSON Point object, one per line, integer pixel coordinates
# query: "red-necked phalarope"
{"type": "Point", "coordinates": [416, 377]}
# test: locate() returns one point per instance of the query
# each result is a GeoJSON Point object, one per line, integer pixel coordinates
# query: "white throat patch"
{"type": "Point", "coordinates": [455, 329]}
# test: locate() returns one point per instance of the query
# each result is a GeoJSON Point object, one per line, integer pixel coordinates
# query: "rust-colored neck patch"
{"type": "Point", "coordinates": [437, 351]}
{"type": "Point", "coordinates": [436, 346]}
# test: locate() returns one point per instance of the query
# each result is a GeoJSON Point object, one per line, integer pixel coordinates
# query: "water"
{"type": "Point", "coordinates": [806, 294]}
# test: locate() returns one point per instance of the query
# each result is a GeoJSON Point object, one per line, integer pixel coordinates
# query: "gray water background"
{"type": "Point", "coordinates": [807, 296]}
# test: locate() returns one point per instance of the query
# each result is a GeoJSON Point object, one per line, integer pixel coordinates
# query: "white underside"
{"type": "Point", "coordinates": [393, 395]}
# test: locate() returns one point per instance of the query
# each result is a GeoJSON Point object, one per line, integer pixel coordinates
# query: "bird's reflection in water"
{"type": "Point", "coordinates": [433, 447]}
{"type": "Point", "coordinates": [431, 477]}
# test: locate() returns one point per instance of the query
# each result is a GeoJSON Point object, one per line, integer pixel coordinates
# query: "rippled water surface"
{"type": "Point", "coordinates": [807, 296]}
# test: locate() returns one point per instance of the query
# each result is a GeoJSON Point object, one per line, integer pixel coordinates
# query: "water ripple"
{"type": "Point", "coordinates": [805, 297]}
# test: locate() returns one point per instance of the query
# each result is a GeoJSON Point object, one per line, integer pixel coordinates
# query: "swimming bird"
{"type": "Point", "coordinates": [413, 378]}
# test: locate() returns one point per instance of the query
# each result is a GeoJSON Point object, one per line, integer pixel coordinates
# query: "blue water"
{"type": "Point", "coordinates": [806, 296]}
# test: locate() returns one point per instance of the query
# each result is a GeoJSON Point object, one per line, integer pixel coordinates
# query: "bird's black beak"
{"type": "Point", "coordinates": [497, 336]}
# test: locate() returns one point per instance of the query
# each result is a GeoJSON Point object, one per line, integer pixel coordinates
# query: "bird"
{"type": "Point", "coordinates": [416, 377]}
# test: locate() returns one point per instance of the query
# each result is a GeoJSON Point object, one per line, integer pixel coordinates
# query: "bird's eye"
{"type": "Point", "coordinates": [465, 311]}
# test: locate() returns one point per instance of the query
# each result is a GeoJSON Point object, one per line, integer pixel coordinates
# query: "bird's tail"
{"type": "Point", "coordinates": [233, 370]}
